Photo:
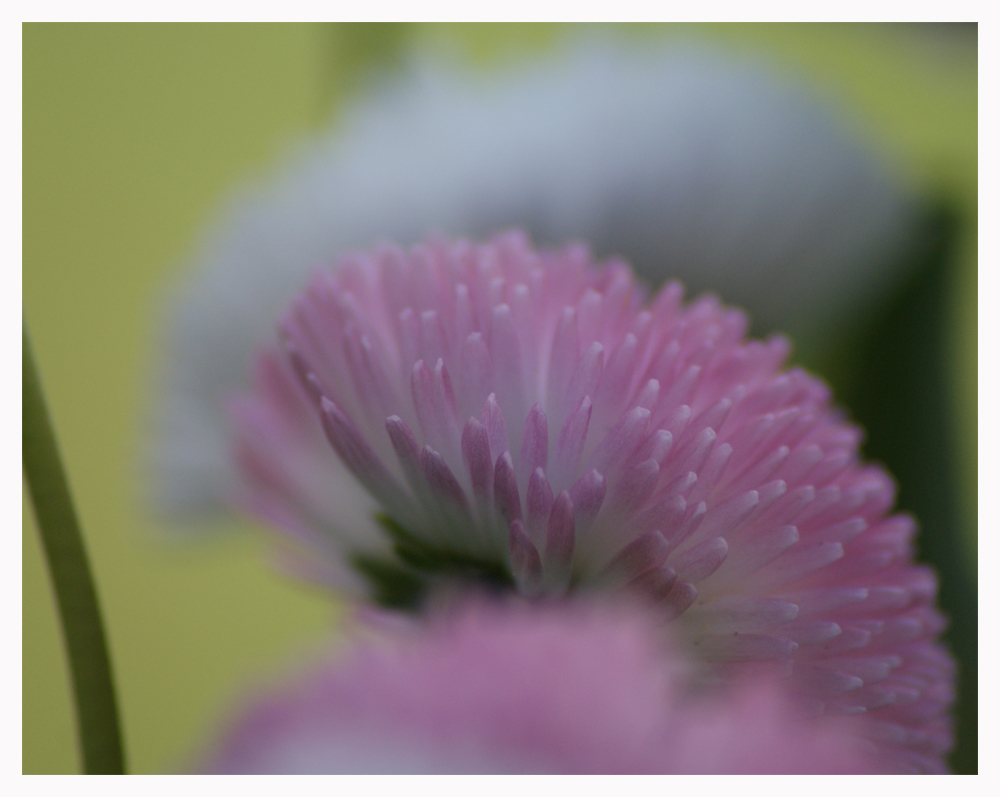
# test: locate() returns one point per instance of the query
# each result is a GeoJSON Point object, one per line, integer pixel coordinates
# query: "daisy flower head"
{"type": "Point", "coordinates": [533, 420]}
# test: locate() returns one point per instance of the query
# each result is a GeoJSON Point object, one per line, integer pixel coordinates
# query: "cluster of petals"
{"type": "Point", "coordinates": [692, 161]}
{"type": "Point", "coordinates": [533, 414]}
{"type": "Point", "coordinates": [518, 689]}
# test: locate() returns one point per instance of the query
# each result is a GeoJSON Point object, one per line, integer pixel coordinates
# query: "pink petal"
{"type": "Point", "coordinates": [559, 542]}
{"type": "Point", "coordinates": [524, 561]}
{"type": "Point", "coordinates": [355, 452]}
{"type": "Point", "coordinates": [505, 493]}
{"type": "Point", "coordinates": [539, 500]}
{"type": "Point", "coordinates": [535, 445]}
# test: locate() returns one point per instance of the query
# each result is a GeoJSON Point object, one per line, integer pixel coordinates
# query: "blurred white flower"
{"type": "Point", "coordinates": [693, 164]}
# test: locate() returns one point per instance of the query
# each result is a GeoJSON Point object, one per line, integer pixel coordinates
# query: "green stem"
{"type": "Point", "coordinates": [83, 632]}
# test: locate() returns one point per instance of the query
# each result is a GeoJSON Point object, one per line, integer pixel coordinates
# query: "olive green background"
{"type": "Point", "coordinates": [132, 136]}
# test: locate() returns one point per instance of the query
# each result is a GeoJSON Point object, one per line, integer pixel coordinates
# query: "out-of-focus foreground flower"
{"type": "Point", "coordinates": [690, 162]}
{"type": "Point", "coordinates": [518, 689]}
{"type": "Point", "coordinates": [530, 418]}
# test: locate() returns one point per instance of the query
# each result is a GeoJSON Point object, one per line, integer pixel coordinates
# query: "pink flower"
{"type": "Point", "coordinates": [531, 418]}
{"type": "Point", "coordinates": [521, 689]}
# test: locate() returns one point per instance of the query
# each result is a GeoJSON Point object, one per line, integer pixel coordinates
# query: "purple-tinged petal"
{"type": "Point", "coordinates": [680, 487]}
{"type": "Point", "coordinates": [444, 389]}
{"type": "Point", "coordinates": [615, 385]}
{"type": "Point", "coordinates": [829, 467]}
{"type": "Point", "coordinates": [621, 440]}
{"type": "Point", "coordinates": [635, 488]}
{"type": "Point", "coordinates": [310, 386]}
{"type": "Point", "coordinates": [715, 416]}
{"type": "Point", "coordinates": [434, 400]}
{"type": "Point", "coordinates": [409, 338]}
{"type": "Point", "coordinates": [440, 478]}
{"type": "Point", "coordinates": [690, 525]}
{"type": "Point", "coordinates": [587, 495]}
{"type": "Point", "coordinates": [447, 413]}
{"type": "Point", "coordinates": [525, 562]}
{"type": "Point", "coordinates": [476, 370]}
{"type": "Point", "coordinates": [407, 451]}
{"type": "Point", "coordinates": [433, 345]}
{"type": "Point", "coordinates": [314, 389]}
{"type": "Point", "coordinates": [492, 419]}
{"type": "Point", "coordinates": [701, 560]}
{"type": "Point", "coordinates": [683, 388]}
{"type": "Point", "coordinates": [572, 440]}
{"type": "Point", "coordinates": [535, 444]}
{"type": "Point", "coordinates": [505, 353]}
{"type": "Point", "coordinates": [657, 447]}
{"type": "Point", "coordinates": [826, 683]}
{"type": "Point", "coordinates": [372, 386]}
{"type": "Point", "coordinates": [742, 614]}
{"type": "Point", "coordinates": [539, 500]}
{"type": "Point", "coordinates": [655, 584]}
{"type": "Point", "coordinates": [823, 500]}
{"type": "Point", "coordinates": [691, 457]}
{"type": "Point", "coordinates": [586, 375]}
{"type": "Point", "coordinates": [748, 554]}
{"type": "Point", "coordinates": [355, 452]}
{"type": "Point", "coordinates": [676, 421]}
{"type": "Point", "coordinates": [747, 646]}
{"type": "Point", "coordinates": [869, 669]}
{"type": "Point", "coordinates": [505, 494]}
{"type": "Point", "coordinates": [465, 321]}
{"type": "Point", "coordinates": [800, 464]}
{"type": "Point", "coordinates": [422, 389]}
{"type": "Point", "coordinates": [560, 540]}
{"type": "Point", "coordinates": [678, 600]}
{"type": "Point", "coordinates": [725, 517]}
{"type": "Point", "coordinates": [840, 532]}
{"type": "Point", "coordinates": [666, 518]}
{"type": "Point", "coordinates": [824, 600]}
{"type": "Point", "coordinates": [646, 552]}
{"type": "Point", "coordinates": [789, 508]}
{"type": "Point", "coordinates": [476, 453]}
{"type": "Point", "coordinates": [810, 632]}
{"type": "Point", "coordinates": [761, 471]}
{"type": "Point", "coordinates": [589, 314]}
{"type": "Point", "coordinates": [885, 599]}
{"type": "Point", "coordinates": [767, 495]}
{"type": "Point", "coordinates": [795, 565]}
{"type": "Point", "coordinates": [852, 637]}
{"type": "Point", "coordinates": [900, 629]}
{"type": "Point", "coordinates": [564, 355]}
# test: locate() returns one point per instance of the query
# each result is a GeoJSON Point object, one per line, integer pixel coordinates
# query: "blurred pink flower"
{"type": "Point", "coordinates": [529, 417]}
{"type": "Point", "coordinates": [526, 690]}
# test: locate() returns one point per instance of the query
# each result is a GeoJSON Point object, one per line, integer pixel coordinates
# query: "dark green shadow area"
{"type": "Point", "coordinates": [897, 387]}
{"type": "Point", "coordinates": [405, 582]}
